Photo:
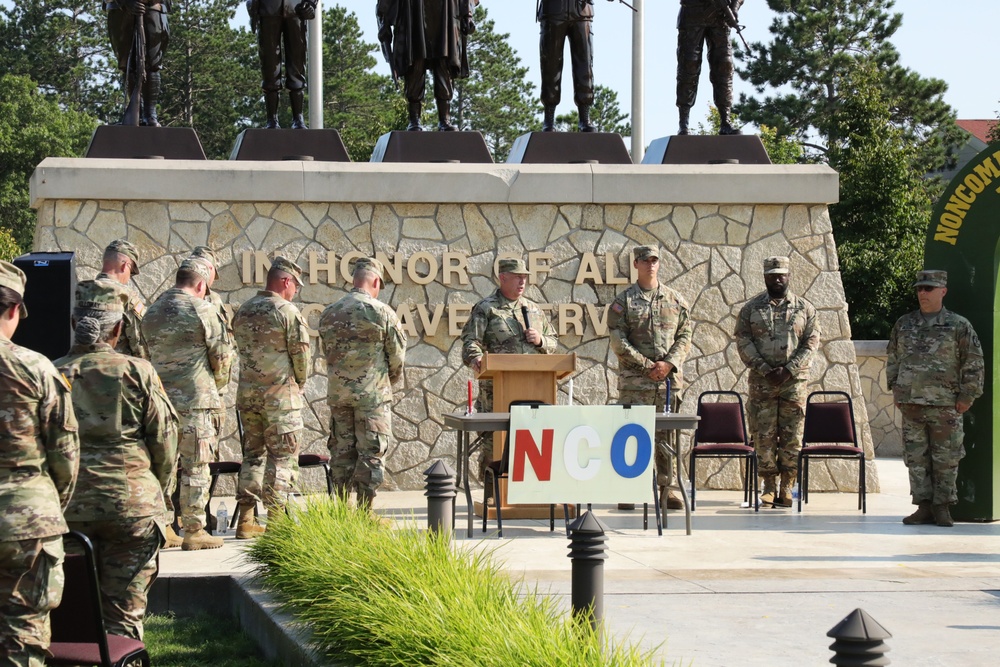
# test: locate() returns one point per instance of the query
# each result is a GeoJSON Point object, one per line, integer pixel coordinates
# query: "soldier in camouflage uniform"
{"type": "Point", "coordinates": [777, 337]}
{"type": "Point", "coordinates": [274, 366]}
{"type": "Point", "coordinates": [120, 263]}
{"type": "Point", "coordinates": [497, 325]}
{"type": "Point", "coordinates": [189, 351]}
{"type": "Point", "coordinates": [651, 332]}
{"type": "Point", "coordinates": [365, 347]}
{"type": "Point", "coordinates": [207, 254]}
{"type": "Point", "coordinates": [935, 371]}
{"type": "Point", "coordinates": [128, 447]}
{"type": "Point", "coordinates": [39, 458]}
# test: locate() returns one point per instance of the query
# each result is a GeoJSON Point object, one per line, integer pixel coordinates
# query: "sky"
{"type": "Point", "coordinates": [954, 41]}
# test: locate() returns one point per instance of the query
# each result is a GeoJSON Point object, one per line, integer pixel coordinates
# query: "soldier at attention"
{"type": "Point", "coordinates": [120, 263]}
{"type": "Point", "coordinates": [128, 447]}
{"type": "Point", "coordinates": [777, 337]}
{"type": "Point", "coordinates": [274, 365]}
{"type": "Point", "coordinates": [365, 347]}
{"type": "Point", "coordinates": [497, 325]}
{"type": "Point", "coordinates": [935, 370]}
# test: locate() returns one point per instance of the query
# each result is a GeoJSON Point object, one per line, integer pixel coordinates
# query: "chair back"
{"type": "Point", "coordinates": [829, 421]}
{"type": "Point", "coordinates": [505, 457]}
{"type": "Point", "coordinates": [78, 619]}
{"type": "Point", "coordinates": [722, 422]}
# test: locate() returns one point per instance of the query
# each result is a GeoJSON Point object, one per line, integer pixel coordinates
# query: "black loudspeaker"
{"type": "Point", "coordinates": [48, 296]}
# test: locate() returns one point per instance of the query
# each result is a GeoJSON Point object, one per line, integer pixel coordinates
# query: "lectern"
{"type": "Point", "coordinates": [522, 377]}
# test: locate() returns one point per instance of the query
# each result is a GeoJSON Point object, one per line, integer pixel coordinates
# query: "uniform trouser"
{"type": "Point", "coordinates": [416, 80]}
{"type": "Point", "coordinates": [690, 42]}
{"type": "Point", "coordinates": [776, 416]}
{"type": "Point", "coordinates": [484, 403]}
{"type": "Point", "coordinates": [933, 439]}
{"type": "Point", "coordinates": [270, 457]}
{"type": "Point", "coordinates": [121, 31]}
{"type": "Point", "coordinates": [551, 45]}
{"type": "Point", "coordinates": [198, 446]}
{"type": "Point", "coordinates": [359, 438]}
{"type": "Point", "coordinates": [31, 585]}
{"type": "Point", "coordinates": [127, 563]}
{"type": "Point", "coordinates": [273, 34]}
{"type": "Point", "coordinates": [656, 395]}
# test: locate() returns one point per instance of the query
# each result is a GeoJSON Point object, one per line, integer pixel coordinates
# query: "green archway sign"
{"type": "Point", "coordinates": [964, 239]}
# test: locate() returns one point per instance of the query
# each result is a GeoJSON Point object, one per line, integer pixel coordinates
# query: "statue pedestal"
{"type": "Point", "coordinates": [278, 144]}
{"type": "Point", "coordinates": [707, 149]}
{"type": "Point", "coordinates": [401, 146]}
{"type": "Point", "coordinates": [569, 148]}
{"type": "Point", "coordinates": [132, 142]}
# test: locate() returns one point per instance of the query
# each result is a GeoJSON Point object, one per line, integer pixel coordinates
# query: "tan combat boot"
{"type": "Point", "coordinates": [784, 498]}
{"type": "Point", "coordinates": [248, 528]}
{"type": "Point", "coordinates": [942, 516]}
{"type": "Point", "coordinates": [670, 499]}
{"type": "Point", "coordinates": [173, 539]}
{"type": "Point", "coordinates": [200, 539]}
{"type": "Point", "coordinates": [767, 494]}
{"type": "Point", "coordinates": [922, 515]}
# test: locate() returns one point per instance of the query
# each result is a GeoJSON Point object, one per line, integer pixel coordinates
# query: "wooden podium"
{"type": "Point", "coordinates": [522, 377]}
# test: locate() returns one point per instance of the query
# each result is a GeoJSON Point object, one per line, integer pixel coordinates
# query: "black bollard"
{"type": "Point", "coordinates": [588, 551]}
{"type": "Point", "coordinates": [858, 641]}
{"type": "Point", "coordinates": [440, 490]}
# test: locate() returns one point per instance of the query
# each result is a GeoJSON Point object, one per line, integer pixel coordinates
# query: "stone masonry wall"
{"type": "Point", "coordinates": [884, 418]}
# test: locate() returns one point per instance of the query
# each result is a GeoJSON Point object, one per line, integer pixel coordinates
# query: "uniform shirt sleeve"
{"type": "Point", "coordinates": [297, 342]}
{"type": "Point", "coordinates": [678, 352]}
{"type": "Point", "coordinates": [745, 345]}
{"type": "Point", "coordinates": [160, 432]}
{"type": "Point", "coordinates": [618, 326]}
{"type": "Point", "coordinates": [395, 347]}
{"type": "Point", "coordinates": [472, 335]}
{"type": "Point", "coordinates": [808, 343]}
{"type": "Point", "coordinates": [972, 369]}
{"type": "Point", "coordinates": [550, 339]}
{"type": "Point", "coordinates": [220, 352]}
{"type": "Point", "coordinates": [60, 432]}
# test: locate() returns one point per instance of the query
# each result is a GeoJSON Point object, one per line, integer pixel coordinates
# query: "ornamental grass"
{"type": "Point", "coordinates": [371, 595]}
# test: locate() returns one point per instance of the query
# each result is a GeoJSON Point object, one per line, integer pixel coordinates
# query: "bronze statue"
{"type": "Point", "coordinates": [139, 37]}
{"type": "Point", "coordinates": [700, 22]}
{"type": "Point", "coordinates": [563, 20]}
{"type": "Point", "coordinates": [281, 25]}
{"type": "Point", "coordinates": [426, 35]}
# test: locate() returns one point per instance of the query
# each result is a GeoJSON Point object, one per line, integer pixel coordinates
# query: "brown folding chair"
{"type": "Point", "coordinates": [722, 434]}
{"type": "Point", "coordinates": [78, 633]}
{"type": "Point", "coordinates": [318, 461]}
{"type": "Point", "coordinates": [829, 426]}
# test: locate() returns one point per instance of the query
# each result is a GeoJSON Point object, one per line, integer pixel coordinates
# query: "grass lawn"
{"type": "Point", "coordinates": [199, 641]}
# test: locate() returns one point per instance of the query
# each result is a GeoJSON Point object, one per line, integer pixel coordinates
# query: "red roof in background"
{"type": "Point", "coordinates": [980, 129]}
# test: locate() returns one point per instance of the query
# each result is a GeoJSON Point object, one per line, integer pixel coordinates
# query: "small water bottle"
{"type": "Point", "coordinates": [795, 493]}
{"type": "Point", "coordinates": [222, 519]}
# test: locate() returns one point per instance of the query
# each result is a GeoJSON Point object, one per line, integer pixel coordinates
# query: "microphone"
{"type": "Point", "coordinates": [524, 314]}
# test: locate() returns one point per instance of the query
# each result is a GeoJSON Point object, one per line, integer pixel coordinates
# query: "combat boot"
{"type": "Point", "coordinates": [173, 540]}
{"type": "Point", "coordinates": [150, 97]}
{"type": "Point", "coordinates": [784, 498]}
{"type": "Point", "coordinates": [413, 113]}
{"type": "Point", "coordinates": [585, 125]}
{"type": "Point", "coordinates": [248, 528]}
{"type": "Point", "coordinates": [767, 494]}
{"type": "Point", "coordinates": [271, 106]}
{"type": "Point", "coordinates": [942, 516]}
{"type": "Point", "coordinates": [684, 115]}
{"type": "Point", "coordinates": [444, 116]}
{"type": "Point", "coordinates": [296, 99]}
{"type": "Point", "coordinates": [549, 120]}
{"type": "Point", "coordinates": [725, 128]}
{"type": "Point", "coordinates": [670, 499]}
{"type": "Point", "coordinates": [922, 515]}
{"type": "Point", "coordinates": [200, 539]}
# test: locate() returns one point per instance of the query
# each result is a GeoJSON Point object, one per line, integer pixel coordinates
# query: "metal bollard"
{"type": "Point", "coordinates": [588, 550]}
{"type": "Point", "coordinates": [858, 641]}
{"type": "Point", "coordinates": [440, 490]}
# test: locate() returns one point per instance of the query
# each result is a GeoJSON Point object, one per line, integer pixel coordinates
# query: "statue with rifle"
{"type": "Point", "coordinates": [280, 26]}
{"type": "Point", "coordinates": [139, 37]}
{"type": "Point", "coordinates": [702, 22]}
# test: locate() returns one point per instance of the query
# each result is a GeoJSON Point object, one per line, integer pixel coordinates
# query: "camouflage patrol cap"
{"type": "Point", "coordinates": [931, 278]}
{"type": "Point", "coordinates": [646, 251]}
{"type": "Point", "coordinates": [776, 264]}
{"type": "Point", "coordinates": [289, 267]}
{"type": "Point", "coordinates": [206, 253]}
{"type": "Point", "coordinates": [200, 266]}
{"type": "Point", "coordinates": [123, 247]}
{"type": "Point", "coordinates": [511, 265]}
{"type": "Point", "coordinates": [369, 264]}
{"type": "Point", "coordinates": [100, 295]}
{"type": "Point", "coordinates": [13, 278]}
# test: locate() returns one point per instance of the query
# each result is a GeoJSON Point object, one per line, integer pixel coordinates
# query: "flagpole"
{"type": "Point", "coordinates": [316, 69]}
{"type": "Point", "coordinates": [638, 91]}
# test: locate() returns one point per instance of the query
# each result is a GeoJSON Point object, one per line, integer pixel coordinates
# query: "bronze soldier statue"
{"type": "Point", "coordinates": [281, 26]}
{"type": "Point", "coordinates": [700, 22]}
{"type": "Point", "coordinates": [132, 25]}
{"type": "Point", "coordinates": [427, 35]}
{"type": "Point", "coordinates": [563, 20]}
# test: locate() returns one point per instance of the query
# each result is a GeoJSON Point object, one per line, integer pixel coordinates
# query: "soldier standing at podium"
{"type": "Point", "coordinates": [497, 325]}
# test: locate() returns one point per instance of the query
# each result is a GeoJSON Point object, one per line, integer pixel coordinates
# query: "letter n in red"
{"type": "Point", "coordinates": [541, 460]}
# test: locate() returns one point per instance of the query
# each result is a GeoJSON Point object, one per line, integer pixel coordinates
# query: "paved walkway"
{"type": "Point", "coordinates": [762, 589]}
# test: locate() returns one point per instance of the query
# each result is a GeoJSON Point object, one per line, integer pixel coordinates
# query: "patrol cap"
{"type": "Point", "coordinates": [289, 267]}
{"type": "Point", "coordinates": [646, 251]}
{"type": "Point", "coordinates": [206, 253]}
{"type": "Point", "coordinates": [200, 266]}
{"type": "Point", "coordinates": [369, 264]}
{"type": "Point", "coordinates": [100, 295]}
{"type": "Point", "coordinates": [510, 265]}
{"type": "Point", "coordinates": [777, 264]}
{"type": "Point", "coordinates": [14, 278]}
{"type": "Point", "coordinates": [123, 247]}
{"type": "Point", "coordinates": [932, 278]}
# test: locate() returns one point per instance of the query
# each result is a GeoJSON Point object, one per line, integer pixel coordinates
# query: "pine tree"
{"type": "Point", "coordinates": [606, 115]}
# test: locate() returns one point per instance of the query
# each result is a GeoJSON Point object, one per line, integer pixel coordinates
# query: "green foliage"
{"type": "Point", "coordinates": [8, 246]}
{"type": "Point", "coordinates": [375, 596]}
{"type": "Point", "coordinates": [32, 128]}
{"type": "Point", "coordinates": [497, 99]}
{"type": "Point", "coordinates": [199, 641]}
{"type": "Point", "coordinates": [781, 150]}
{"type": "Point", "coordinates": [994, 134]}
{"type": "Point", "coordinates": [882, 215]}
{"type": "Point", "coordinates": [606, 115]}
